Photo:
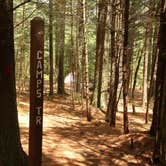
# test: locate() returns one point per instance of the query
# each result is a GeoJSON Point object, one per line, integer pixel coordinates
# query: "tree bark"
{"type": "Point", "coordinates": [79, 47]}
{"type": "Point", "coordinates": [145, 74]}
{"type": "Point", "coordinates": [100, 50]}
{"type": "Point", "coordinates": [11, 152]}
{"type": "Point", "coordinates": [51, 83]}
{"type": "Point", "coordinates": [160, 94]}
{"type": "Point", "coordinates": [61, 89]}
{"type": "Point", "coordinates": [85, 62]}
{"type": "Point", "coordinates": [106, 58]}
{"type": "Point", "coordinates": [135, 79]}
{"type": "Point", "coordinates": [125, 65]}
{"type": "Point", "coordinates": [114, 77]}
{"type": "Point", "coordinates": [151, 91]}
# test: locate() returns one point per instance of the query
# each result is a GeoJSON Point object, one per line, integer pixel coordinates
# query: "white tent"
{"type": "Point", "coordinates": [69, 79]}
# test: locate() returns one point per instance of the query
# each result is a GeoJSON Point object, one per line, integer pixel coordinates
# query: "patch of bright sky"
{"type": "Point", "coordinates": [44, 1]}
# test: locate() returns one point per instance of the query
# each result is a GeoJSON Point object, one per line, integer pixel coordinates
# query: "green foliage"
{"type": "Point", "coordinates": [139, 17]}
{"type": "Point", "coordinates": [40, 8]}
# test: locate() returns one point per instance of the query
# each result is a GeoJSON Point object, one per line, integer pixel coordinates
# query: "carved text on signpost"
{"type": "Point", "coordinates": [36, 91]}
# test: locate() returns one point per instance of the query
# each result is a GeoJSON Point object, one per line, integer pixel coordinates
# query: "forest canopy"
{"type": "Point", "coordinates": [112, 50]}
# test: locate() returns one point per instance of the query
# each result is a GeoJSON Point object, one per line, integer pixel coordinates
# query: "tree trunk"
{"type": "Point", "coordinates": [145, 74]}
{"type": "Point", "coordinates": [151, 90]}
{"type": "Point", "coordinates": [79, 47]}
{"type": "Point", "coordinates": [114, 77]}
{"type": "Point", "coordinates": [85, 62]}
{"type": "Point", "coordinates": [125, 66]}
{"type": "Point", "coordinates": [160, 94]}
{"type": "Point", "coordinates": [51, 83]}
{"type": "Point", "coordinates": [61, 89]}
{"type": "Point", "coordinates": [11, 152]}
{"type": "Point", "coordinates": [56, 43]}
{"type": "Point", "coordinates": [106, 57]}
{"type": "Point", "coordinates": [135, 79]}
{"type": "Point", "coordinates": [72, 57]}
{"type": "Point", "coordinates": [100, 50]}
{"type": "Point", "coordinates": [21, 56]}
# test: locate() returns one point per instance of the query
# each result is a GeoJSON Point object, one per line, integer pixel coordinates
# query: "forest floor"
{"type": "Point", "coordinates": [69, 140]}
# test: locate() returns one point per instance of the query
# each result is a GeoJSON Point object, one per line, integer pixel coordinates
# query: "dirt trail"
{"type": "Point", "coordinates": [69, 140]}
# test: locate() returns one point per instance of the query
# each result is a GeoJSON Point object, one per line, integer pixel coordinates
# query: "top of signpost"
{"type": "Point", "coordinates": [37, 18]}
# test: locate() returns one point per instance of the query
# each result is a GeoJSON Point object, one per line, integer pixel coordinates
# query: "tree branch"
{"type": "Point", "coordinates": [21, 4]}
{"type": "Point", "coordinates": [25, 18]}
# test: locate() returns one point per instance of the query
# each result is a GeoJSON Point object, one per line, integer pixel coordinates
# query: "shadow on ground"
{"type": "Point", "coordinates": [69, 140]}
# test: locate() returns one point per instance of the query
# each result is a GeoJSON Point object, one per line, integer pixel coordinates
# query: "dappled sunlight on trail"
{"type": "Point", "coordinates": [69, 140]}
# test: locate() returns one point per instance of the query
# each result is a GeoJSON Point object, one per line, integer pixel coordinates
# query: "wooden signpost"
{"type": "Point", "coordinates": [36, 91]}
